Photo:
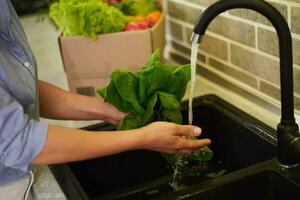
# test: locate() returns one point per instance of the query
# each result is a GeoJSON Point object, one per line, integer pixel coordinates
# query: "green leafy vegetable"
{"type": "Point", "coordinates": [138, 7]}
{"type": "Point", "coordinates": [86, 17]}
{"type": "Point", "coordinates": [154, 93]}
{"type": "Point", "coordinates": [216, 174]}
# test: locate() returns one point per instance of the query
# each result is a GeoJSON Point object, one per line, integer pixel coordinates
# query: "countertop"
{"type": "Point", "coordinates": [43, 37]}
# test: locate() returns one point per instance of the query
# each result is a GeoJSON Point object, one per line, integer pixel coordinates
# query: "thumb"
{"type": "Point", "coordinates": [188, 130]}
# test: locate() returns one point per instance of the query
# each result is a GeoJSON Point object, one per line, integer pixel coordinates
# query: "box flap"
{"type": "Point", "coordinates": [84, 57]}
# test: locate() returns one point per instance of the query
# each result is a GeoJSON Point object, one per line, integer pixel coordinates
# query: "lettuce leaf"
{"type": "Point", "coordinates": [152, 94]}
{"type": "Point", "coordinates": [86, 17]}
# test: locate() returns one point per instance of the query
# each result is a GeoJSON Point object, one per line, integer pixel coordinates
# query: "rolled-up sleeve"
{"type": "Point", "coordinates": [21, 138]}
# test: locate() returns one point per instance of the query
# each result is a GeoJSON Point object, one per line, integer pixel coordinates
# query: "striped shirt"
{"type": "Point", "coordinates": [22, 136]}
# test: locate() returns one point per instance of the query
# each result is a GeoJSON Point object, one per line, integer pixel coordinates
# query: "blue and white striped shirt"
{"type": "Point", "coordinates": [22, 137]}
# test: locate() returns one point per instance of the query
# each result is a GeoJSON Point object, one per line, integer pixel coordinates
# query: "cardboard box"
{"type": "Point", "coordinates": [89, 63]}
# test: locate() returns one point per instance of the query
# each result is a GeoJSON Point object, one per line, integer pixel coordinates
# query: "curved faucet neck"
{"type": "Point", "coordinates": [285, 45]}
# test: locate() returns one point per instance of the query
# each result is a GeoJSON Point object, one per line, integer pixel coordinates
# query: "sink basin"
{"type": "Point", "coordinates": [238, 141]}
{"type": "Point", "coordinates": [263, 185]}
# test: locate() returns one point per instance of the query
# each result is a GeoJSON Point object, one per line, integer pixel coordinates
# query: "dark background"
{"type": "Point", "coordinates": [29, 6]}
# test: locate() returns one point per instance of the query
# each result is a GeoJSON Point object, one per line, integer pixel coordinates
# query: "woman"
{"type": "Point", "coordinates": [25, 141]}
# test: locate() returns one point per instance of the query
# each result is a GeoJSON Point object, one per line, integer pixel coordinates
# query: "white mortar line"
{"type": "Point", "coordinates": [289, 20]}
{"type": "Point", "coordinates": [256, 37]}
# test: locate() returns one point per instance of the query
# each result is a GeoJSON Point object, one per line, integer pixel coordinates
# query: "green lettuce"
{"type": "Point", "coordinates": [152, 94]}
{"type": "Point", "coordinates": [86, 17]}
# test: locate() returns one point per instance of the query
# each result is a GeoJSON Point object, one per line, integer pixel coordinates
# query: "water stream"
{"type": "Point", "coordinates": [180, 163]}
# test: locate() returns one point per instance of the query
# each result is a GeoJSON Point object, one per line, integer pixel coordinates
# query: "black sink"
{"type": "Point", "coordinates": [260, 182]}
{"type": "Point", "coordinates": [267, 185]}
{"type": "Point", "coordinates": [238, 141]}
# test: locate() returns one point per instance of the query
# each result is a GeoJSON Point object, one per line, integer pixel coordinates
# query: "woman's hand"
{"type": "Point", "coordinates": [112, 115]}
{"type": "Point", "coordinates": [172, 138]}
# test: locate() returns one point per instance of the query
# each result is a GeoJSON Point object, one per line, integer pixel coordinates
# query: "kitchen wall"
{"type": "Point", "coordinates": [240, 46]}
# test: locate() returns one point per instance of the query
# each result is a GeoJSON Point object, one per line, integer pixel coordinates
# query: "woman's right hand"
{"type": "Point", "coordinates": [172, 138]}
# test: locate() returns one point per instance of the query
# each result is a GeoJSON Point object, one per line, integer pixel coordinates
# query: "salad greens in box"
{"type": "Point", "coordinates": [86, 17]}
{"type": "Point", "coordinates": [92, 17]}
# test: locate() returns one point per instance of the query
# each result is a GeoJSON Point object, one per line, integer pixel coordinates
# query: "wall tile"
{"type": "Point", "coordinates": [176, 31]}
{"type": "Point", "coordinates": [182, 12]}
{"type": "Point", "coordinates": [255, 16]}
{"type": "Point", "coordinates": [297, 103]}
{"type": "Point", "coordinates": [255, 63]}
{"type": "Point", "coordinates": [187, 51]}
{"type": "Point", "coordinates": [270, 90]}
{"type": "Point", "coordinates": [178, 58]}
{"type": "Point", "coordinates": [235, 30]}
{"type": "Point", "coordinates": [268, 42]}
{"type": "Point", "coordinates": [297, 80]}
{"type": "Point", "coordinates": [203, 2]}
{"type": "Point", "coordinates": [239, 75]}
{"type": "Point", "coordinates": [295, 18]}
{"type": "Point", "coordinates": [274, 92]}
{"type": "Point", "coordinates": [212, 45]}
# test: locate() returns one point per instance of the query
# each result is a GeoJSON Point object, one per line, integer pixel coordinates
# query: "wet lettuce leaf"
{"type": "Point", "coordinates": [154, 93]}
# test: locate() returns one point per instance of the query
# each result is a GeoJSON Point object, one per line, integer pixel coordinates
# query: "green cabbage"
{"type": "Point", "coordinates": [86, 17]}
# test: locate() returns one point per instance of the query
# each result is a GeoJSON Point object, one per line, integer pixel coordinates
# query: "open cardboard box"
{"type": "Point", "coordinates": [89, 63]}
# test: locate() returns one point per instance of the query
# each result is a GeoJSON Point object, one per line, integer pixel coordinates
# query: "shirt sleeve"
{"type": "Point", "coordinates": [21, 138]}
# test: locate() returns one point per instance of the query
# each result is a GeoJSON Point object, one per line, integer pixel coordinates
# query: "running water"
{"type": "Point", "coordinates": [180, 164]}
{"type": "Point", "coordinates": [193, 79]}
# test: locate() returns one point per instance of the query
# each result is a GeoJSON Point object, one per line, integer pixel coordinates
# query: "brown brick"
{"type": "Point", "coordinates": [181, 48]}
{"type": "Point", "coordinates": [212, 45]}
{"type": "Point", "coordinates": [295, 18]}
{"type": "Point", "coordinates": [235, 30]}
{"type": "Point", "coordinates": [182, 12]}
{"type": "Point", "coordinates": [274, 92]}
{"type": "Point", "coordinates": [296, 51]}
{"type": "Point", "coordinates": [203, 2]}
{"type": "Point", "coordinates": [237, 74]}
{"type": "Point", "coordinates": [187, 51]}
{"type": "Point", "coordinates": [176, 30]}
{"type": "Point", "coordinates": [255, 16]}
{"type": "Point", "coordinates": [297, 80]}
{"type": "Point", "coordinates": [256, 64]}
{"type": "Point", "coordinates": [297, 103]}
{"type": "Point", "coordinates": [215, 47]}
{"type": "Point", "coordinates": [270, 89]}
{"type": "Point", "coordinates": [178, 58]}
{"type": "Point", "coordinates": [268, 42]}
{"type": "Point", "coordinates": [266, 86]}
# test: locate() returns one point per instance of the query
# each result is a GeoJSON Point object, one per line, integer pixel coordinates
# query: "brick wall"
{"type": "Point", "coordinates": [240, 45]}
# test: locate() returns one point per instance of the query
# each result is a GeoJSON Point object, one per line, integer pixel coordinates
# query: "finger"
{"type": "Point", "coordinates": [195, 144]}
{"type": "Point", "coordinates": [188, 130]}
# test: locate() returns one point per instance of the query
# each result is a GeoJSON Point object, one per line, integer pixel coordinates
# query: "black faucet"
{"type": "Point", "coordinates": [288, 136]}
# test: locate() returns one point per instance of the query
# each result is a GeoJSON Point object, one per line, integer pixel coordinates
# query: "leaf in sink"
{"type": "Point", "coordinates": [216, 174]}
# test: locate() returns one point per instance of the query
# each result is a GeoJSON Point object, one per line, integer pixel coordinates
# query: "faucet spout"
{"type": "Point", "coordinates": [287, 129]}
